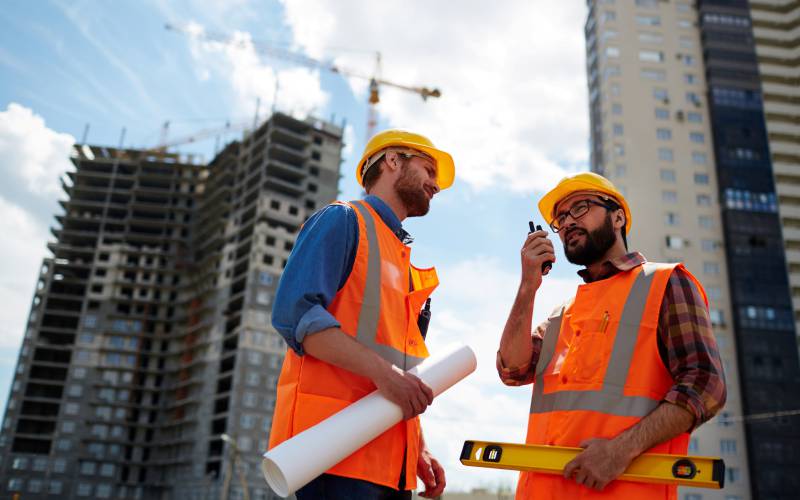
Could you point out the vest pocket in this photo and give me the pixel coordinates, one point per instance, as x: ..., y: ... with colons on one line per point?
x: 587, y: 353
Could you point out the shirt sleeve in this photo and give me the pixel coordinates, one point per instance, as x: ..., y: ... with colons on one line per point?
x: 689, y: 350
x: 318, y: 267
x: 522, y: 375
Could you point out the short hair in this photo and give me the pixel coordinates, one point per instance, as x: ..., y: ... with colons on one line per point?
x: 613, y: 206
x: 372, y: 174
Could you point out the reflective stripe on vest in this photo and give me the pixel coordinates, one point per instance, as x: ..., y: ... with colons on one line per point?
x: 609, y: 398
x: 370, y: 312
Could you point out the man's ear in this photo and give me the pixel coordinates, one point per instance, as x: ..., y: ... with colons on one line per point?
x: 392, y: 160
x: 619, y: 218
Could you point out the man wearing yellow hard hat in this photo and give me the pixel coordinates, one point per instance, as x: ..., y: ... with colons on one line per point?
x: 349, y: 305
x: 628, y: 365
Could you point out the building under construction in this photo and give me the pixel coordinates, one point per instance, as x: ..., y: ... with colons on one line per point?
x: 149, y: 365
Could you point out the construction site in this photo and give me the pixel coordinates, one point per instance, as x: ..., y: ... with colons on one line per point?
x: 147, y: 365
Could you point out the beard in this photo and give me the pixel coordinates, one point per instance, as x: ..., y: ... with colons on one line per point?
x: 410, y: 190
x: 596, y: 244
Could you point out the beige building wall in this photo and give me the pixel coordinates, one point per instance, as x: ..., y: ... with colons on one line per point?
x: 651, y: 136
x: 776, y: 26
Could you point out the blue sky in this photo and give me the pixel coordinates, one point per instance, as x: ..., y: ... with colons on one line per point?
x: 513, y: 113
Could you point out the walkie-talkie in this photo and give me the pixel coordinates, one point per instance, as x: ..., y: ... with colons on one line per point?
x: 424, y: 319
x: 547, y: 265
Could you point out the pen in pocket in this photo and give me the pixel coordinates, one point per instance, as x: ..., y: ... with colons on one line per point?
x: 604, y: 323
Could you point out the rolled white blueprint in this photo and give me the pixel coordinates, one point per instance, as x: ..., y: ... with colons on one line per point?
x: 295, y: 462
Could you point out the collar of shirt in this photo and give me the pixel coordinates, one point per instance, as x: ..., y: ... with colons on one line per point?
x: 389, y: 218
x: 614, y: 266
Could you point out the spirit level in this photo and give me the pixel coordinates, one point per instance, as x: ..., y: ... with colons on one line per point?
x: 699, y: 472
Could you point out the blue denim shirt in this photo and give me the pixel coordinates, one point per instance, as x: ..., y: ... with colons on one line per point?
x: 318, y: 268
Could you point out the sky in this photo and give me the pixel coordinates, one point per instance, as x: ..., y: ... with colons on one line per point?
x: 513, y: 113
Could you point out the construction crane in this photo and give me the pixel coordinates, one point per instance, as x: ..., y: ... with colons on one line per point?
x: 272, y: 50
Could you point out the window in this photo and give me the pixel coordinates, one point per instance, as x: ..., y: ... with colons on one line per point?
x: 727, y: 446
x: 59, y: 465
x: 669, y: 196
x: 705, y: 221
x: 648, y: 20
x: 685, y: 23
x: 107, y: 470
x: 692, y: 98
x: 619, y: 150
x: 667, y: 175
x: 263, y: 297
x: 688, y: 60
x: 254, y: 357
x: 697, y: 137
x: 701, y: 179
x: 88, y: 468
x: 71, y: 408
x: 253, y: 378
x: 55, y: 487
x: 68, y: 427
x: 608, y: 16
x: 35, y: 486
x: 651, y: 56
x: 733, y: 474
x: 694, y: 117
x: 249, y: 399
x: 612, y: 52
x: 686, y: 42
x: 103, y: 491
x: 612, y: 70
x: 690, y: 78
x: 79, y: 372
x: 663, y: 134
x: 620, y: 170
x: 647, y: 3
x: 90, y: 321
x: 661, y: 94
x: 618, y: 129
x: 19, y: 463
x: 692, y: 496
x: 662, y: 114
x: 654, y: 38
x: 84, y: 490
x: 616, y: 109
x: 247, y: 421
x: 265, y: 278
x: 40, y: 464
x: 672, y: 219
x: 665, y: 154
x: 75, y: 390
x: 676, y: 242
x: 703, y: 200
x: 657, y: 75
x: 15, y: 484
x: 711, y: 268
x: 694, y: 447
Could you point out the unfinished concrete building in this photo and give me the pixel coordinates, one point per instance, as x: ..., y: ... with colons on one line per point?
x: 149, y: 365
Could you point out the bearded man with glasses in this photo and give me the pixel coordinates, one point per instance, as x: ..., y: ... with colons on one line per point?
x: 628, y: 365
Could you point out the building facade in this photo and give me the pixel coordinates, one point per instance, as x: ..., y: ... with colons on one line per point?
x: 777, y: 39
x: 677, y: 123
x: 149, y: 365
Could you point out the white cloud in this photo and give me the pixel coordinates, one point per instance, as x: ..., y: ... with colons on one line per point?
x: 20, y: 257
x: 513, y: 105
x: 30, y: 153
x: 471, y: 307
x: 242, y: 64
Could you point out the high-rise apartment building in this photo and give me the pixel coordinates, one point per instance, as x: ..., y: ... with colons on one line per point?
x: 777, y: 38
x: 677, y: 123
x: 149, y: 365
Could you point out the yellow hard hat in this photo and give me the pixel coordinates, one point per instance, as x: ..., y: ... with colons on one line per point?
x: 588, y: 182
x: 445, y: 167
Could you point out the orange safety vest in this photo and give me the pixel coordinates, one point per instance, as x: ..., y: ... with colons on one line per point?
x: 375, y: 307
x: 599, y: 373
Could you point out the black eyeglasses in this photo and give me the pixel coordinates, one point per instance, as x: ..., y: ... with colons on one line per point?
x: 576, y: 211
